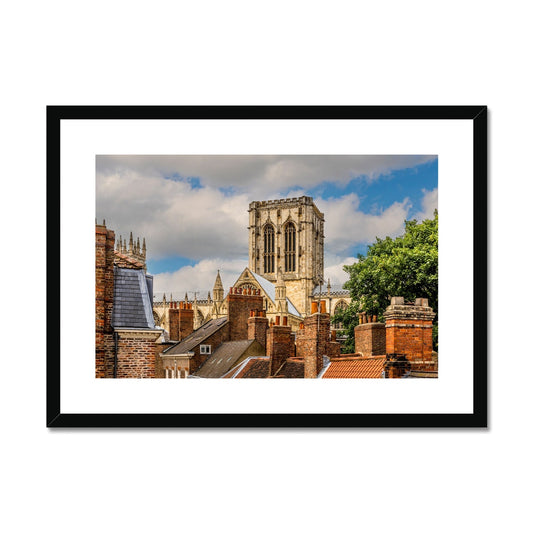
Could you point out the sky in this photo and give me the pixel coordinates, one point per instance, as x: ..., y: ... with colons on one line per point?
x: 193, y: 210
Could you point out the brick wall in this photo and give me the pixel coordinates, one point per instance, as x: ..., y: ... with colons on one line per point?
x: 409, y: 332
x: 257, y: 329
x: 370, y: 339
x: 136, y: 354
x: 312, y: 343
x: 279, y: 346
x: 239, y: 307
x: 104, y: 252
x: 180, y: 321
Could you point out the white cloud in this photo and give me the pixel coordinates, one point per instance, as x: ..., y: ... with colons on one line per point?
x: 334, y: 268
x: 175, y: 218
x: 261, y: 175
x: 199, y: 277
x: 430, y: 202
x: 346, y: 226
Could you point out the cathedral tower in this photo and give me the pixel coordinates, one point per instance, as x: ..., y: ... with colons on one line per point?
x: 288, y: 235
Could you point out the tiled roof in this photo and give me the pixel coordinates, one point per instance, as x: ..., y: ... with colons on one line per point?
x: 355, y: 367
x: 197, y: 337
x: 256, y: 367
x: 292, y: 368
x: 132, y: 307
x: 223, y: 359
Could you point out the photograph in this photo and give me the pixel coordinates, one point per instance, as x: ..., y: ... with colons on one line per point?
x: 266, y: 266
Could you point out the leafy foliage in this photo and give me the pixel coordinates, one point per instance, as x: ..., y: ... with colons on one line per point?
x: 406, y: 266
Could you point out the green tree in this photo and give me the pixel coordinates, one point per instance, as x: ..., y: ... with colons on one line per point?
x: 405, y: 266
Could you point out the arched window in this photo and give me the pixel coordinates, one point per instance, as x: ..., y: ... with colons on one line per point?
x: 268, y: 255
x: 341, y: 306
x: 290, y: 247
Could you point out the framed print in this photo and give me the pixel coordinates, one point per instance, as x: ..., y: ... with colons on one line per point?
x: 264, y: 266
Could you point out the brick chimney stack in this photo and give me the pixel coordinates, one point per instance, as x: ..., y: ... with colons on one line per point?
x: 279, y: 346
x: 409, y: 329
x: 180, y: 321
x: 240, y: 303
x: 313, y: 340
x: 369, y: 336
x: 104, y: 260
x: 257, y: 327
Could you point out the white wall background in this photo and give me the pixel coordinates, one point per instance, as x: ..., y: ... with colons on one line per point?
x: 274, y: 53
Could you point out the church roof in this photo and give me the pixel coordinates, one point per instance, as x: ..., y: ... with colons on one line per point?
x: 270, y: 290
x: 336, y: 290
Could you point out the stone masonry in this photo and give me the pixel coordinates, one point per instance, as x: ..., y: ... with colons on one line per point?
x: 307, y: 270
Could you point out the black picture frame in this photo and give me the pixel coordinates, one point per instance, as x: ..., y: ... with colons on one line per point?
x: 477, y: 418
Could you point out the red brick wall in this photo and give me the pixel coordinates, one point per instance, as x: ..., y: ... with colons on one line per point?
x: 370, y: 339
x: 104, y: 252
x: 312, y: 343
x: 257, y: 329
x: 239, y: 307
x: 412, y: 338
x: 279, y: 346
x: 136, y: 356
x: 180, y: 323
x: 409, y: 330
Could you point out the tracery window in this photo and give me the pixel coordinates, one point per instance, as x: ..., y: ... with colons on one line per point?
x: 341, y: 306
x: 268, y: 236
x: 290, y: 247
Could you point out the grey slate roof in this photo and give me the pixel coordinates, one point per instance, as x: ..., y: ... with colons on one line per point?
x: 197, y: 337
x: 223, y: 359
x: 336, y: 290
x: 132, y: 307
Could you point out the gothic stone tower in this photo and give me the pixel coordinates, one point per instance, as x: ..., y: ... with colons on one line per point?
x: 288, y: 235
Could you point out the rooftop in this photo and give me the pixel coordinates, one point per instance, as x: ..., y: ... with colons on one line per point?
x: 196, y: 337
x: 355, y: 368
x: 132, y: 306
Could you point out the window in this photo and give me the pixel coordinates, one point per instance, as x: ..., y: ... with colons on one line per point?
x: 290, y: 247
x: 268, y: 236
x: 341, y: 306
x: 205, y: 348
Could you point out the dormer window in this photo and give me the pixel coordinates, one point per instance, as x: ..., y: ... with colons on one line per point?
x: 205, y: 349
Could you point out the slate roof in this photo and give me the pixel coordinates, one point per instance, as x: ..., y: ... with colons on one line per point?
x: 223, y: 359
x: 132, y: 306
x: 355, y: 367
x: 336, y: 290
x: 197, y: 337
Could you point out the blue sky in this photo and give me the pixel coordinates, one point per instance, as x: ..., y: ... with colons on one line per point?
x: 192, y: 210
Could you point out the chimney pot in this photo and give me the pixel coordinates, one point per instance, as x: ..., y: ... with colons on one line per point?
x: 284, y: 320
x: 277, y: 320
x: 314, y: 308
x: 323, y: 306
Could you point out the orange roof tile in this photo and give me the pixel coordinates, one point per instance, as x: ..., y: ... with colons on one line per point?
x: 355, y: 367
